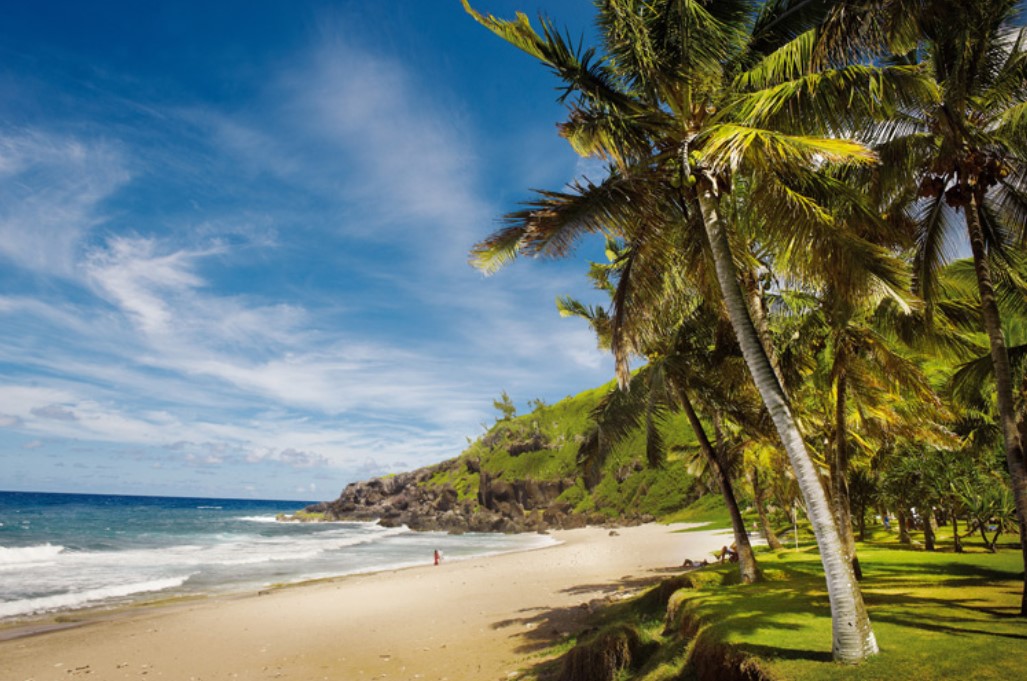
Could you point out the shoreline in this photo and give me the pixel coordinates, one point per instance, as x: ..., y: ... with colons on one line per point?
x: 22, y: 626
x: 478, y: 617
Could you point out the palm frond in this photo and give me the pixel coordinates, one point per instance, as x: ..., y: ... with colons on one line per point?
x: 499, y: 249
x: 971, y: 383
x: 835, y: 101
x: 788, y: 63
x: 853, y: 30
x: 577, y: 67
x: 936, y: 230
x: 780, y: 22
x: 600, y: 133
x: 731, y: 146
x: 553, y: 222
x: 655, y: 417
x: 596, y: 316
x: 1009, y: 199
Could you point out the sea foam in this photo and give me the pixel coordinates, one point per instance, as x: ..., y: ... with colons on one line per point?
x: 35, y: 606
x: 27, y: 555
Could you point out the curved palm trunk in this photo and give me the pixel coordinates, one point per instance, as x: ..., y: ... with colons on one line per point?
x: 852, y: 635
x: 746, y: 558
x: 840, y: 476
x: 760, y: 501
x: 1003, y: 380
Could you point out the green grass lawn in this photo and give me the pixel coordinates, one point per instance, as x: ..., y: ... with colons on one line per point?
x: 709, y: 510
x: 937, y: 615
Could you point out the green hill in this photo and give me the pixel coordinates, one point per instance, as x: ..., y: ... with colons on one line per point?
x: 522, y: 475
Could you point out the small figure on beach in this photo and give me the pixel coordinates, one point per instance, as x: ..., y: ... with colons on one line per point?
x: 438, y: 556
x: 730, y: 554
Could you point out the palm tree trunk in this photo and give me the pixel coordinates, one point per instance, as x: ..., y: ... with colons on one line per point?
x: 862, y: 522
x: 957, y: 541
x: 746, y: 558
x: 760, y: 501
x: 902, y: 518
x: 1003, y: 380
x: 852, y: 635
x: 840, y: 474
x: 929, y: 530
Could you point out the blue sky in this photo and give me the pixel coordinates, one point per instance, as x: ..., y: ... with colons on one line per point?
x: 234, y: 237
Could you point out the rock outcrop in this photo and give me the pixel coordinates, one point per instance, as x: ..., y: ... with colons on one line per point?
x: 414, y: 499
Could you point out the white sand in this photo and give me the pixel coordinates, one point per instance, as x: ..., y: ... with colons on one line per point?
x: 482, y: 618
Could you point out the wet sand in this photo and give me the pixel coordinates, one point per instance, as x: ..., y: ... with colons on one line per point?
x: 483, y: 618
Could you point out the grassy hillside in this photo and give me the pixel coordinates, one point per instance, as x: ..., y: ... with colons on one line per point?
x: 543, y: 446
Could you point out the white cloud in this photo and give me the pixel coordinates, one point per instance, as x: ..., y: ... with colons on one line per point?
x: 403, y: 157
x: 223, y: 376
x: 52, y: 188
x: 157, y: 287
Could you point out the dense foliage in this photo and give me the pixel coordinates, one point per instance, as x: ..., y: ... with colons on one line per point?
x: 788, y: 186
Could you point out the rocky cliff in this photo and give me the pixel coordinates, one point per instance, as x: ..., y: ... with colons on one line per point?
x: 417, y: 500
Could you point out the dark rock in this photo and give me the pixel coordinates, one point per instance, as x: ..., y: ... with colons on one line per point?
x: 500, y: 505
x: 535, y: 443
x: 447, y: 499
x: 501, y: 491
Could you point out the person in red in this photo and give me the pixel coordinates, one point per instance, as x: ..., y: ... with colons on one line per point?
x: 438, y: 557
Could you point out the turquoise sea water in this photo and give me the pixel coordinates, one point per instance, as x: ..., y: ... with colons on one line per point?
x: 66, y: 551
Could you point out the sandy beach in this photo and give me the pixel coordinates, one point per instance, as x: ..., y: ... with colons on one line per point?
x: 484, y: 618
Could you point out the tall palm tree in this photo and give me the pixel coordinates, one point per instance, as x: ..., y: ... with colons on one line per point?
x: 657, y: 389
x: 692, y: 99
x: 681, y: 370
x: 966, y: 157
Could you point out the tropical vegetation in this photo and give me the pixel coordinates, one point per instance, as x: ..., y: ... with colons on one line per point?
x: 789, y: 188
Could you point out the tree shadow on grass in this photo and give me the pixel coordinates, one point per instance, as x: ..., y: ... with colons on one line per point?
x: 902, y: 595
x: 934, y: 624
x: 779, y: 653
x: 951, y: 571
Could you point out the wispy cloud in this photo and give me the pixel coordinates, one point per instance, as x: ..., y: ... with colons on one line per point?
x: 52, y: 189
x: 301, y: 298
x: 54, y: 412
x: 417, y: 172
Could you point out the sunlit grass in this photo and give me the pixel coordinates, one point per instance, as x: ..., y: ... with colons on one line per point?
x: 937, y: 615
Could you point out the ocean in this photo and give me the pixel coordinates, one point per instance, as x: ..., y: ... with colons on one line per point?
x: 60, y: 552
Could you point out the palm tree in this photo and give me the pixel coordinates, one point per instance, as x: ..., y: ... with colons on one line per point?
x: 655, y: 390
x: 964, y: 155
x: 679, y: 370
x: 693, y: 99
x: 759, y: 466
